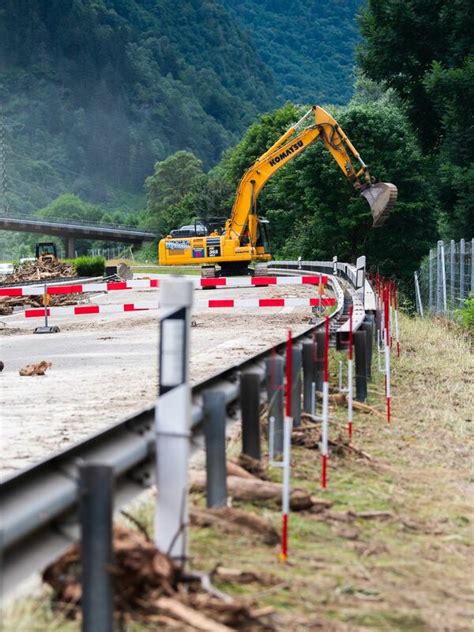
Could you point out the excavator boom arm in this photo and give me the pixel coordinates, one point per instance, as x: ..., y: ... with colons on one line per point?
x: 288, y: 146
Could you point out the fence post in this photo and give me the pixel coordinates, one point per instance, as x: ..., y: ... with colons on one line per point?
x: 173, y: 418
x: 462, y: 256
x: 95, y: 508
x: 472, y: 265
x: 214, y: 432
x: 438, y: 277
x: 296, y: 385
x: 275, y: 390
x: 430, y: 280
x: 250, y: 407
x: 452, y: 279
x: 308, y: 376
x: 443, y: 278
x: 418, y: 295
x: 360, y: 346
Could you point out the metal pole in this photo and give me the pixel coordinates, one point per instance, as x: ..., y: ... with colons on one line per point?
x: 250, y: 407
x: 95, y: 508
x: 296, y: 385
x: 462, y: 256
x: 430, y: 280
x: 214, y: 433
x: 452, y: 279
x: 472, y: 265
x: 368, y: 327
x: 45, y: 301
x: 443, y: 278
x: 360, y: 365
x: 173, y: 418
x: 418, y: 295
x: 308, y: 376
x: 438, y: 278
x: 275, y: 391
x: 319, y: 360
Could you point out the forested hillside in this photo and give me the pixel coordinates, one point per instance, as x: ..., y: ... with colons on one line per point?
x: 94, y: 92
x: 308, y: 44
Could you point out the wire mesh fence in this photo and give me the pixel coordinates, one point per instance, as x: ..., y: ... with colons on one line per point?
x: 445, y: 278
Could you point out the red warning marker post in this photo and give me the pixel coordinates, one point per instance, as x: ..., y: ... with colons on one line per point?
x: 287, y: 428
x: 325, y: 415
x: 349, y: 377
x: 387, y: 352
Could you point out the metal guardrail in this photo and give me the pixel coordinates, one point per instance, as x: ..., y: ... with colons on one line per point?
x: 39, y: 504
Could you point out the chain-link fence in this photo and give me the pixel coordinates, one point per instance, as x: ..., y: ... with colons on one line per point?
x: 445, y: 278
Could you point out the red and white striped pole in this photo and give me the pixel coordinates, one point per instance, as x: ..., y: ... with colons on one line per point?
x: 349, y: 377
x: 287, y: 428
x: 325, y: 415
x: 387, y: 352
x: 397, y: 330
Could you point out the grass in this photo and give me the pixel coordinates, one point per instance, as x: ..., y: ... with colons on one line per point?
x: 412, y: 572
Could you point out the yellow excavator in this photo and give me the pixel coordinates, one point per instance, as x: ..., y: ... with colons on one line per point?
x: 244, y: 237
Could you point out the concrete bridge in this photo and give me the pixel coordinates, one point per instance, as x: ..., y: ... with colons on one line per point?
x: 70, y: 230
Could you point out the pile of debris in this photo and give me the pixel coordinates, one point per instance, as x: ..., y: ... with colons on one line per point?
x: 150, y: 587
x: 8, y: 303
x: 46, y: 267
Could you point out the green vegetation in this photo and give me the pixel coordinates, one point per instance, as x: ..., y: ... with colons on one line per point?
x: 309, y: 46
x: 424, y: 52
x: 465, y: 315
x: 89, y: 266
x: 93, y: 93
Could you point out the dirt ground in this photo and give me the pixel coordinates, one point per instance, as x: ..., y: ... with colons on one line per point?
x: 105, y: 367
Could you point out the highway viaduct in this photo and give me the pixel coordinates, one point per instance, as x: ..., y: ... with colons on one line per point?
x: 70, y: 230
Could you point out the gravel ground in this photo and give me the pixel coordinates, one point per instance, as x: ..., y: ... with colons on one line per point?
x: 105, y: 367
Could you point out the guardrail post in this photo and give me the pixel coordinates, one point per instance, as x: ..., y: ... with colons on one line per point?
x: 173, y: 418
x: 95, y: 508
x: 319, y: 361
x: 360, y: 346
x: 275, y: 391
x: 214, y: 432
x: 296, y: 384
x: 308, y: 376
x: 250, y: 407
x: 368, y: 327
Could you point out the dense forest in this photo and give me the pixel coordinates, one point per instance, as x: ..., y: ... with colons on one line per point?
x: 309, y: 46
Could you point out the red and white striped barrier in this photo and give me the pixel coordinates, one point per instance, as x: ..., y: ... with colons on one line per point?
x: 238, y: 303
x: 79, y: 288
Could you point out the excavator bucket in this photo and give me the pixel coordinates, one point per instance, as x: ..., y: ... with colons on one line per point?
x: 381, y: 198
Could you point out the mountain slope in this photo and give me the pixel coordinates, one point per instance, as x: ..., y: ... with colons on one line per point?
x: 94, y: 91
x: 307, y: 44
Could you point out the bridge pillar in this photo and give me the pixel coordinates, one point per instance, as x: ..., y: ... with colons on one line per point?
x: 70, y: 245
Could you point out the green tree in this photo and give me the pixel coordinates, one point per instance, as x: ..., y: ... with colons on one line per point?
x: 315, y: 212
x: 424, y: 50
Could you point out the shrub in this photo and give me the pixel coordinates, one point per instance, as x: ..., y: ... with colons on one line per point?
x: 89, y: 266
x: 466, y: 314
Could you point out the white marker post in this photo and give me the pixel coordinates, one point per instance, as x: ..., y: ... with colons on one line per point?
x: 173, y: 418
x: 387, y: 351
x: 287, y: 428
x: 325, y: 415
x: 349, y: 378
